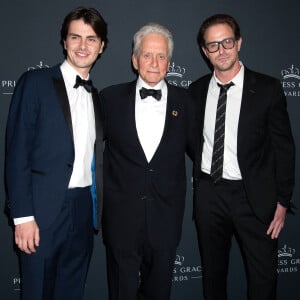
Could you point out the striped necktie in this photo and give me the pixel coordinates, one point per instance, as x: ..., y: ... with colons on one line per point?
x: 218, y: 149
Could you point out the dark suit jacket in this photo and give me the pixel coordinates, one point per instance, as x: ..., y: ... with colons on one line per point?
x: 40, y: 147
x: 265, y: 146
x: 139, y: 195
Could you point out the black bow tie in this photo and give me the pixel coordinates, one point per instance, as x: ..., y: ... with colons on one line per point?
x: 87, y: 84
x: 150, y: 92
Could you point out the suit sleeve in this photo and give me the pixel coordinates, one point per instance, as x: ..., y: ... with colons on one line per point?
x: 283, y: 145
x: 19, y: 141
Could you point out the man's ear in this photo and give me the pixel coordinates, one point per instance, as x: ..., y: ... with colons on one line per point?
x: 239, y: 43
x: 102, y: 47
x: 134, y: 62
x: 204, y: 51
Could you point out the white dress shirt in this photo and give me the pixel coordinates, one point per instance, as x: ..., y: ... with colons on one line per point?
x: 231, y: 168
x: 150, y: 116
x: 83, y: 123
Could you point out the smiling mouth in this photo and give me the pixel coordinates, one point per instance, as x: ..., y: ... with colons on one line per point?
x: 80, y: 54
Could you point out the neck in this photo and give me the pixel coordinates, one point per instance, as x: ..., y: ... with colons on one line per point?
x: 83, y: 72
x: 227, y: 75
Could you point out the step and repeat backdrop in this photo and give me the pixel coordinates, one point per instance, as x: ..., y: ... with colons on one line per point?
x: 271, y: 44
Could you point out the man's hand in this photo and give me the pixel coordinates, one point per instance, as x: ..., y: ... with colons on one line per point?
x: 277, y: 222
x: 27, y: 236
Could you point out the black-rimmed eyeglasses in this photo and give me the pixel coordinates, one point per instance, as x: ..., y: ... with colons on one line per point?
x: 226, y: 44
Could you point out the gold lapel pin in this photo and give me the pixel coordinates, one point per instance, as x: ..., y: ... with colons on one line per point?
x: 174, y: 113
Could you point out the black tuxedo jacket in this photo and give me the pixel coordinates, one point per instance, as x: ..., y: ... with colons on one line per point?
x: 265, y: 146
x: 144, y: 199
x: 40, y: 147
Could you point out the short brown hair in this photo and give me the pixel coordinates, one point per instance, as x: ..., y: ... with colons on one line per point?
x: 218, y: 19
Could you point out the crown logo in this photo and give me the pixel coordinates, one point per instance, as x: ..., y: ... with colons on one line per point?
x: 179, y: 260
x: 175, y: 70
x: 286, y: 251
x: 39, y: 66
x: 290, y: 72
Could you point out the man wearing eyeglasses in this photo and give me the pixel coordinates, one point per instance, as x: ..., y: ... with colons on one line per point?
x: 244, y: 164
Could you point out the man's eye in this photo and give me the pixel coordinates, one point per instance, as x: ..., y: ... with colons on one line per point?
x: 74, y: 38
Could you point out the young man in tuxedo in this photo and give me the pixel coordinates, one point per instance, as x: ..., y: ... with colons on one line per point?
x: 244, y: 164
x: 148, y: 130
x: 54, y: 133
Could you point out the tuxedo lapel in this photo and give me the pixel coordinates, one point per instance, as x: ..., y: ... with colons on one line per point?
x: 130, y: 109
x: 171, y: 111
x: 98, y: 120
x: 64, y: 101
x: 246, y: 107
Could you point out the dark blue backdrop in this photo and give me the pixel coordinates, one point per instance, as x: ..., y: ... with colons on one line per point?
x: 271, y: 44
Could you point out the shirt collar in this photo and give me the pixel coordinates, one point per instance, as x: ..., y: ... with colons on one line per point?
x: 238, y: 79
x: 141, y: 83
x: 70, y: 73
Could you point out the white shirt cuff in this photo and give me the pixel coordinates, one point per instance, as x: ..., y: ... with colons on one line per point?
x: 22, y: 220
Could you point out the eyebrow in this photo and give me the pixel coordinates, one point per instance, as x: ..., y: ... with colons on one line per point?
x: 78, y: 35
x: 220, y: 40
